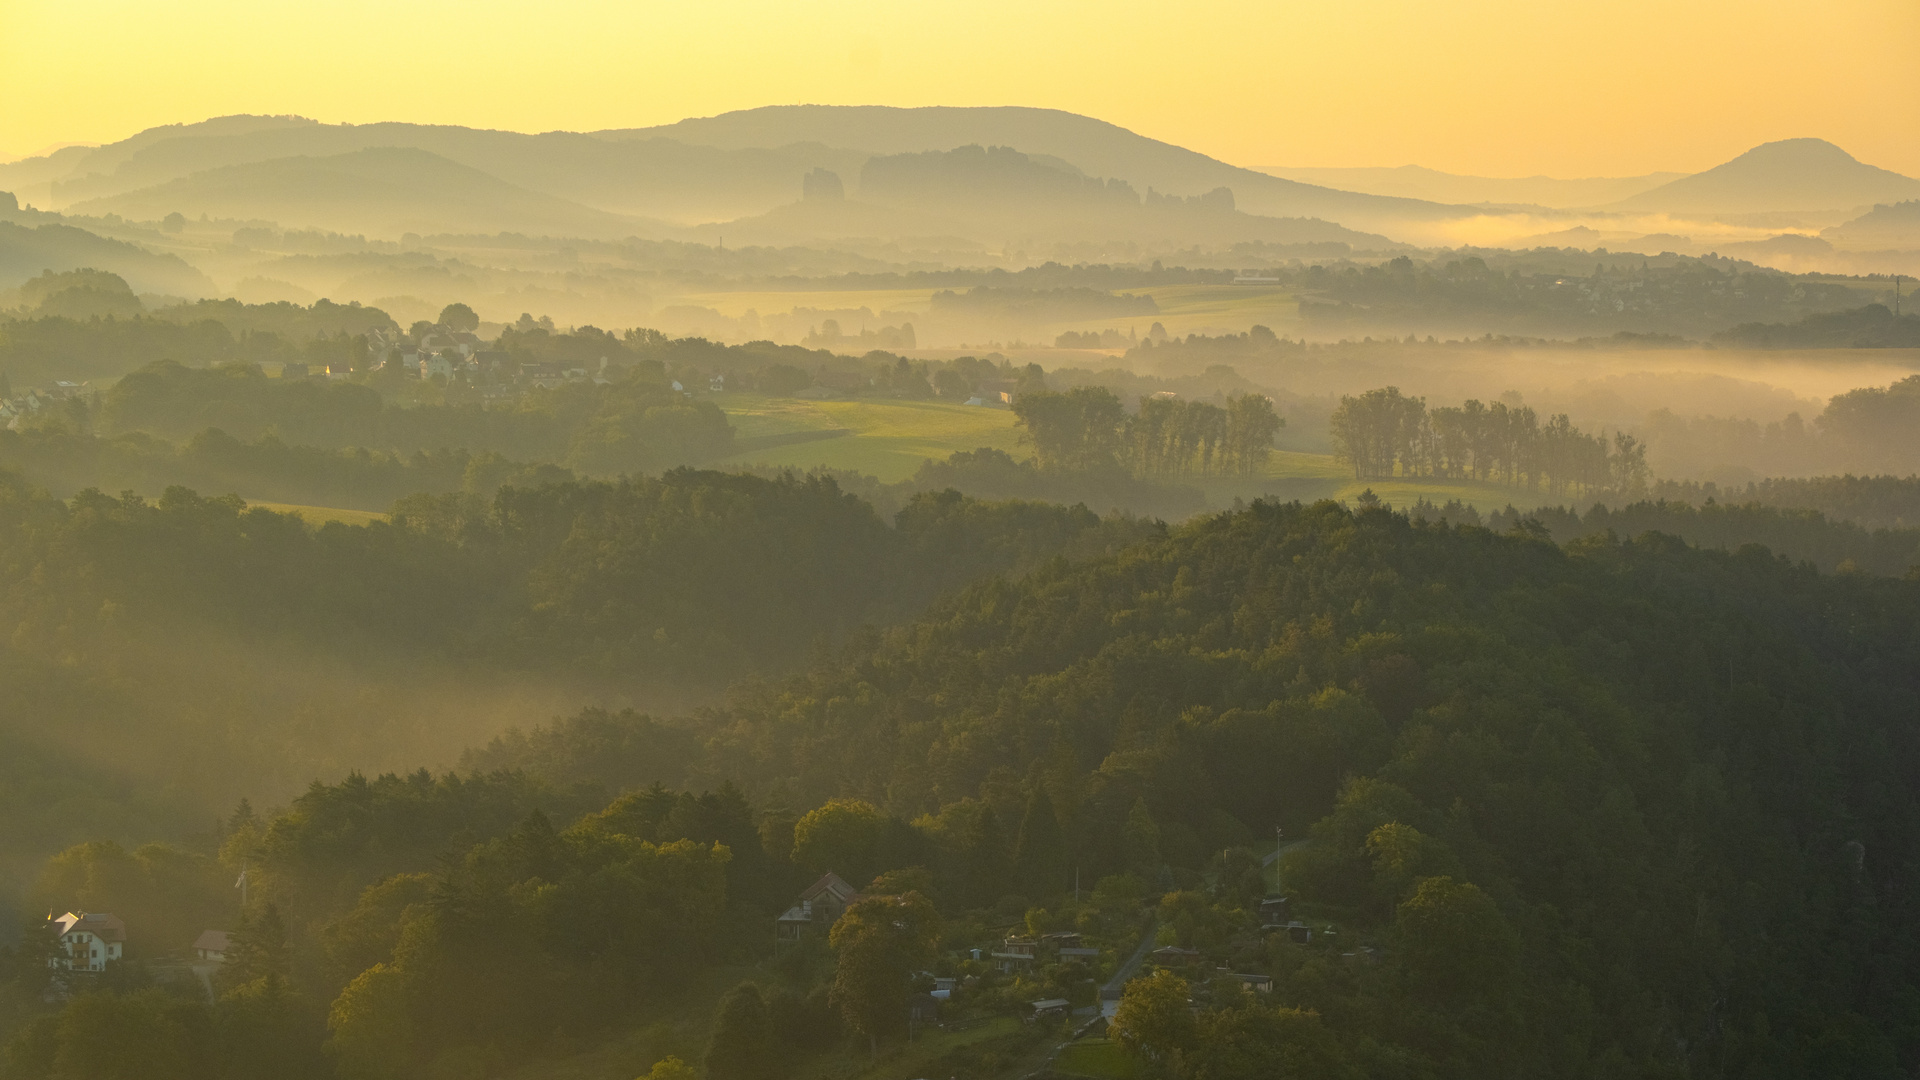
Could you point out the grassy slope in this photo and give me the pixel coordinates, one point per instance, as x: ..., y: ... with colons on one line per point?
x: 320, y: 515
x: 1097, y: 1057
x: 890, y: 438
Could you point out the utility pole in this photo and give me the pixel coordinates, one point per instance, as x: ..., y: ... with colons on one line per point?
x: 1896, y: 296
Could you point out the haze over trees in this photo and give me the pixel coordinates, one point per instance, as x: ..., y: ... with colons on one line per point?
x: 774, y: 687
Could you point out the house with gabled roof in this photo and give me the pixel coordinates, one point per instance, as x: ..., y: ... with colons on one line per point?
x: 89, y: 941
x: 818, y: 907
x: 212, y: 946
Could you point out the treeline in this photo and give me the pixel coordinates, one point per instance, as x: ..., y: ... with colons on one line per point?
x: 1041, y: 304
x: 170, y: 653
x: 1451, y: 729
x: 1508, y: 758
x: 1873, y: 502
x: 1087, y: 429
x: 1382, y: 430
x: 1558, y: 294
x: 265, y: 469
x: 1796, y: 534
x: 1871, y: 327
x: 1868, y: 429
x: 399, y: 925
x: 87, y: 325
x: 635, y: 423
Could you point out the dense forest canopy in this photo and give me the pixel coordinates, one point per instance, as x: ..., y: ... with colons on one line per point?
x: 1622, y: 806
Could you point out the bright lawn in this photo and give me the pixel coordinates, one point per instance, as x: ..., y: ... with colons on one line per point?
x: 320, y: 515
x: 1097, y: 1057
x: 889, y: 439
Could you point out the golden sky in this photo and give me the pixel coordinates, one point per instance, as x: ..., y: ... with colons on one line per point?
x: 1493, y: 87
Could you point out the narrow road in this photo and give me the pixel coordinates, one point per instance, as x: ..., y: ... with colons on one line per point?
x: 1273, y: 856
x: 1042, y: 1061
x: 1110, y: 993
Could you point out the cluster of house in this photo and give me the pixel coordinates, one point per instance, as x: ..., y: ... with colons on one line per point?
x: 20, y: 408
x: 90, y: 940
x: 820, y: 904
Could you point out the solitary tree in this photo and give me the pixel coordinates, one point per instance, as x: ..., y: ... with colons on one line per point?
x: 1154, y: 1021
x: 881, y: 941
x: 843, y: 836
x: 742, y: 1044
x: 459, y: 317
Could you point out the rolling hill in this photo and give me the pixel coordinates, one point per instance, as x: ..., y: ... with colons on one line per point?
x: 739, y: 165
x: 27, y: 251
x: 1792, y: 175
x: 384, y: 191
x: 1094, y: 146
x: 1418, y: 182
x: 1885, y: 226
x: 654, y: 178
x: 995, y: 194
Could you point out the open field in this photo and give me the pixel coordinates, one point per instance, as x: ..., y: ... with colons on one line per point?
x: 1311, y: 477
x: 1188, y: 309
x: 887, y: 439
x: 320, y: 515
x: 1097, y: 1057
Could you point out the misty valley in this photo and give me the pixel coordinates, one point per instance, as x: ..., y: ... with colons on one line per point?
x: 865, y: 593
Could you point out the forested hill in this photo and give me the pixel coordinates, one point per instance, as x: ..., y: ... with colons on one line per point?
x: 1681, y: 784
x: 1601, y: 809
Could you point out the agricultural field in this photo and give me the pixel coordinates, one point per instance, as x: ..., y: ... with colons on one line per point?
x: 1311, y: 477
x: 883, y: 438
x: 888, y: 439
x: 1097, y: 1057
x: 320, y: 515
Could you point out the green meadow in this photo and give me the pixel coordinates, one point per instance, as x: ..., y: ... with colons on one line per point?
x: 320, y: 515
x: 887, y: 439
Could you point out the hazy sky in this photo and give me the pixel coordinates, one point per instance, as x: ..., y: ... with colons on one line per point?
x: 1500, y: 87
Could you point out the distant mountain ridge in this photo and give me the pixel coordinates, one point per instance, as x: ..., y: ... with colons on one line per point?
x: 712, y: 170
x: 1419, y: 182
x: 383, y: 191
x: 1784, y: 176
x: 1096, y: 147
x: 651, y: 178
x: 1001, y: 193
x: 26, y: 251
x: 742, y: 166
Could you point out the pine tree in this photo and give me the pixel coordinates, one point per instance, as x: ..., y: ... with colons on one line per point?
x: 257, y: 949
x: 986, y: 858
x: 1040, y: 854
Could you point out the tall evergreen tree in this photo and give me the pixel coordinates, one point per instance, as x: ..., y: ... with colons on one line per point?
x: 1040, y: 855
x: 987, y: 865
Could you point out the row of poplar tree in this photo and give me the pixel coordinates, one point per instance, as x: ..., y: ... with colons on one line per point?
x: 1088, y: 427
x: 1384, y: 433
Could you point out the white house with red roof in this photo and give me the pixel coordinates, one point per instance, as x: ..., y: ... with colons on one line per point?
x: 89, y: 941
